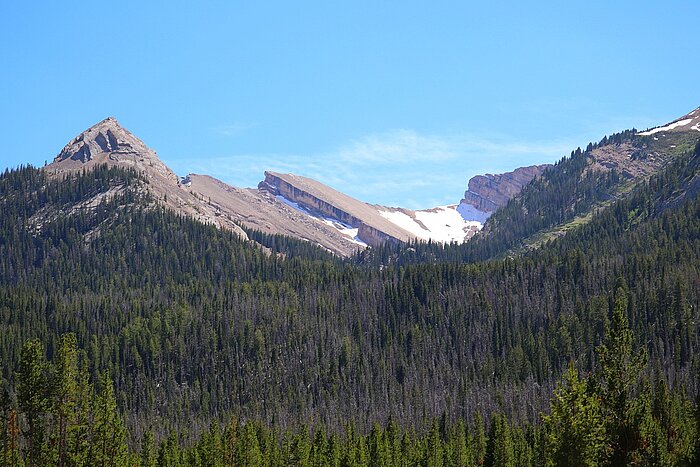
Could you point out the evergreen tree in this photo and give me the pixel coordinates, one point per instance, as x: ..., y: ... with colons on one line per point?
x: 64, y: 398
x: 32, y: 397
x: 500, y: 450
x: 576, y: 426
x: 148, y: 454
x: 620, y: 367
x: 108, y: 443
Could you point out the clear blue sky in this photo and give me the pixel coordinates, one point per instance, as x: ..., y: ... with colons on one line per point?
x: 396, y: 103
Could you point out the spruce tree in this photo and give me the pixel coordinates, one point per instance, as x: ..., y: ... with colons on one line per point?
x: 32, y: 397
x: 575, y: 427
x: 109, y: 436
x: 620, y: 367
x: 64, y: 400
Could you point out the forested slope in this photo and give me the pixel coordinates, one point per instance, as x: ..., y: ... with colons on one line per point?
x: 567, y: 195
x: 195, y: 324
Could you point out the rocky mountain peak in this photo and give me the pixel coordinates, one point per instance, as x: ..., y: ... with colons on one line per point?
x: 489, y: 192
x: 105, y: 140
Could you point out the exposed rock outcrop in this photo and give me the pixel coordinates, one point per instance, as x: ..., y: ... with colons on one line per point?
x: 375, y: 224
x: 107, y: 142
x: 327, y: 202
x: 261, y: 210
x: 491, y: 191
x: 285, y: 204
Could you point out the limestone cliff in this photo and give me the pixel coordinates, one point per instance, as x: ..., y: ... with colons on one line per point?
x: 491, y: 191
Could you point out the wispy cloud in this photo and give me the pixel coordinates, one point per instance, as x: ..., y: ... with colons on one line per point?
x: 232, y: 129
x: 399, y: 167
x: 397, y: 146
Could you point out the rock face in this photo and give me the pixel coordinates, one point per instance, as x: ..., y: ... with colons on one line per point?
x: 326, y: 202
x: 489, y: 192
x: 297, y: 206
x: 107, y: 142
x: 261, y: 210
x: 375, y: 224
x: 286, y: 204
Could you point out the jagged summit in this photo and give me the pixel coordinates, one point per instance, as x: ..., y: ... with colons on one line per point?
x: 284, y: 204
x: 107, y: 142
x: 104, y: 138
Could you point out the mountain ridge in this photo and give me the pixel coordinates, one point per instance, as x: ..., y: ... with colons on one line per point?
x: 304, y: 208
x: 285, y: 204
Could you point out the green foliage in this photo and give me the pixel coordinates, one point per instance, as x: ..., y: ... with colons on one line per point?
x: 108, y: 441
x: 196, y: 326
x: 620, y: 368
x: 33, y: 400
x: 66, y: 422
x: 576, y: 430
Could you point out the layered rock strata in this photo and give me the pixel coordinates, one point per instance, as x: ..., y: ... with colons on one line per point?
x: 489, y: 192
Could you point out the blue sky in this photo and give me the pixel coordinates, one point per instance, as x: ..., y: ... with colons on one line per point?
x: 397, y: 103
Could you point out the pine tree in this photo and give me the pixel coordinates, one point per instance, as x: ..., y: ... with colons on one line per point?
x: 32, y: 397
x: 696, y: 412
x: 480, y: 441
x: 148, y: 454
x: 500, y: 452
x: 64, y: 398
x: 230, y: 441
x: 78, y: 433
x: 169, y: 452
x: 575, y: 427
x: 434, y: 451
x: 248, y: 449
x: 5, y: 414
x: 620, y: 367
x: 108, y: 442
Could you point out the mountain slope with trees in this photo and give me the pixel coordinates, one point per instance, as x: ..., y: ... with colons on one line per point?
x: 196, y: 327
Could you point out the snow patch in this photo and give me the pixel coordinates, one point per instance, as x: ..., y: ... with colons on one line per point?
x: 406, y: 222
x: 343, y: 228
x: 446, y: 224
x: 470, y: 213
x: 443, y: 224
x: 670, y: 126
x: 696, y: 127
x: 293, y: 205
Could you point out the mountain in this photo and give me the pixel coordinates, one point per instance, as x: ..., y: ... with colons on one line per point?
x: 375, y: 224
x: 487, y: 193
x: 260, y: 210
x: 587, y: 182
x: 289, y: 204
x: 107, y: 142
x: 286, y: 204
x: 160, y: 330
x: 688, y: 122
x: 564, y: 196
x: 524, y: 208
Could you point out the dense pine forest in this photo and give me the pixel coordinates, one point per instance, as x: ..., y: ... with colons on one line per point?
x: 130, y: 335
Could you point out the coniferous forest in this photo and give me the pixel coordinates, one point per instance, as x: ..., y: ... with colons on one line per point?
x: 131, y: 335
